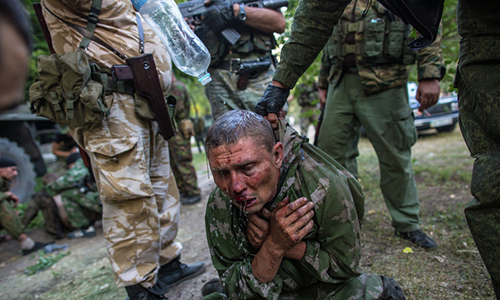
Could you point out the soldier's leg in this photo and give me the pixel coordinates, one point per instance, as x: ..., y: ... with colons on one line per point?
x: 76, y: 216
x: 182, y: 167
x: 52, y: 221
x: 479, y: 104
x: 389, y: 125
x: 130, y: 164
x: 10, y: 221
x: 368, y: 287
x: 337, y: 136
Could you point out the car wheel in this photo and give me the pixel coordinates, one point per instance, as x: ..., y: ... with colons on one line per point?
x: 448, y: 128
x: 24, y: 184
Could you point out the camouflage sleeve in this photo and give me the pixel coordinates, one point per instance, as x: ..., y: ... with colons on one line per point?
x: 73, y: 177
x: 430, y: 60
x: 3, y: 196
x: 312, y: 27
x: 324, y: 70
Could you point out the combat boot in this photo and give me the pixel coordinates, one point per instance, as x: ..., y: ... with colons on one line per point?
x: 176, y: 272
x: 138, y: 292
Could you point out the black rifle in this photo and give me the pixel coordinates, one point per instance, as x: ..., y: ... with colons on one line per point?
x: 193, y: 10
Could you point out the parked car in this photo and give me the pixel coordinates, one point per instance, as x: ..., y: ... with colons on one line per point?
x: 443, y: 116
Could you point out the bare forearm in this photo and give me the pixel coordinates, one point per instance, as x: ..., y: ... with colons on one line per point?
x: 297, y: 252
x: 262, y: 19
x: 266, y: 263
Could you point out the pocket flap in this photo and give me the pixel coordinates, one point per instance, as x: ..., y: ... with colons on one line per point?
x: 401, y: 114
x: 111, y: 147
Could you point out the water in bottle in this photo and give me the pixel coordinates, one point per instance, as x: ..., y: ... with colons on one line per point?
x: 187, y: 51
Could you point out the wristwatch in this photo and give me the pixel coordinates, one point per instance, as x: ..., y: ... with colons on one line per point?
x: 242, y: 15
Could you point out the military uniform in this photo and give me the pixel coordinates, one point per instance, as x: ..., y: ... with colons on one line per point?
x: 129, y: 157
x: 223, y: 92
x: 8, y: 217
x: 181, y: 157
x: 76, y: 196
x: 329, y: 268
x: 478, y: 83
x: 309, y: 106
x: 364, y: 69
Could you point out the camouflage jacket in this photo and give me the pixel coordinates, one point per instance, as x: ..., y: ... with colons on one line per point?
x: 179, y: 90
x: 70, y: 182
x: 308, y: 94
x: 333, y: 246
x: 4, y: 187
x: 379, y: 50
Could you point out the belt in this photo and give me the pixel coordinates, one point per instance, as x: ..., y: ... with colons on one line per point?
x: 120, y: 86
x: 233, y: 65
x: 350, y: 71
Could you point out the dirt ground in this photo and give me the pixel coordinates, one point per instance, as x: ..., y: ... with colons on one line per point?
x: 454, y: 271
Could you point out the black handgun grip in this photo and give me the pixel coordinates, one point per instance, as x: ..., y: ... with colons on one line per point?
x: 147, y: 85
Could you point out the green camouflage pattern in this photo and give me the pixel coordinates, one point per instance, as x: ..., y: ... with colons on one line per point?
x: 43, y: 202
x: 181, y: 157
x: 75, y: 195
x: 329, y: 269
x: 313, y: 23
x: 223, y: 94
x: 129, y: 156
x: 8, y: 217
x: 478, y: 83
x: 375, y: 77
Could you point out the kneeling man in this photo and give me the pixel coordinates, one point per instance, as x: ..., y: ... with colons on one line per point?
x: 284, y: 220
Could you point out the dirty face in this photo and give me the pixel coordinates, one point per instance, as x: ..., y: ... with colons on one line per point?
x: 247, y: 173
x: 8, y: 173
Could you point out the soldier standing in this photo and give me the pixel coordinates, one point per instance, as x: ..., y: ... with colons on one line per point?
x: 181, y: 156
x: 364, y: 72
x: 478, y: 84
x: 231, y: 89
x: 128, y: 153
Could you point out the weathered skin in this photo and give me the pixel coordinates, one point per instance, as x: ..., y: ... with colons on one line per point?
x: 478, y: 83
x: 329, y: 268
x: 129, y: 157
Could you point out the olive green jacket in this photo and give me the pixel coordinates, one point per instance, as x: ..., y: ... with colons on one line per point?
x: 333, y: 246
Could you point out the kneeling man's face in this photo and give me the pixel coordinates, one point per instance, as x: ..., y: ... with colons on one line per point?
x: 246, y: 173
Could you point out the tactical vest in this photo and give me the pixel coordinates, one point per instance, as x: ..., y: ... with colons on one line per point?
x: 251, y: 41
x: 381, y: 38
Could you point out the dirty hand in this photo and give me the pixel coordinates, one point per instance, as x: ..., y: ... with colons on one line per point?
x: 290, y: 223
x: 272, y: 102
x: 427, y: 93
x: 258, y: 228
x: 13, y: 198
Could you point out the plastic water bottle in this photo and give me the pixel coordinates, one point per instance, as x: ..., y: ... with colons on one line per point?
x: 187, y: 51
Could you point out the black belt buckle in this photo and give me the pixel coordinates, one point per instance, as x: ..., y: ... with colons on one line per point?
x: 234, y: 65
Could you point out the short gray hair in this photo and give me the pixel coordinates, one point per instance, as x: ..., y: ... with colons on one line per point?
x: 237, y: 124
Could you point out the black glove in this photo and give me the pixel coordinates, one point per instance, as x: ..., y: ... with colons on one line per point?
x: 272, y: 101
x: 218, y: 15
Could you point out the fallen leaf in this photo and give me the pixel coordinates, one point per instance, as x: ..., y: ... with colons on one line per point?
x: 408, y: 250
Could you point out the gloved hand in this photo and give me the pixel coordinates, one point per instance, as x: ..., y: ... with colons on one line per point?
x: 272, y: 101
x: 218, y: 15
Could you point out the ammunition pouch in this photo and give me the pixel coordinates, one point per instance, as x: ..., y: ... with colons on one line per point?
x: 69, y: 91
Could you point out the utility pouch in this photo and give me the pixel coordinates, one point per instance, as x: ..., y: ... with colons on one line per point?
x: 374, y: 39
x: 65, y: 92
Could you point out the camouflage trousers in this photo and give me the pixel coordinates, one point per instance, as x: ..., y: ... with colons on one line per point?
x: 81, y: 208
x: 9, y: 220
x: 389, y: 125
x: 223, y: 94
x: 363, y: 287
x: 43, y: 202
x: 181, y: 161
x: 140, y: 200
x: 478, y: 82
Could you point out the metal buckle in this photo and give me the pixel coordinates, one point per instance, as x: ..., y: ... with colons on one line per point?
x: 231, y: 62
